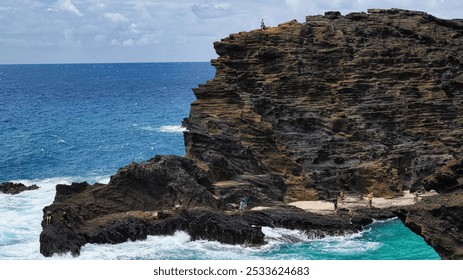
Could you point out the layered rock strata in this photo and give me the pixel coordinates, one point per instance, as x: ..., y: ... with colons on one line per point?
x: 367, y: 102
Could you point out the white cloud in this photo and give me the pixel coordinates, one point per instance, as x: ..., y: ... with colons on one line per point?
x: 7, y: 9
x: 294, y: 4
x: 66, y: 5
x: 133, y: 28
x: 25, y: 43
x: 115, y: 17
x: 211, y: 10
x: 145, y: 40
x: 161, y: 30
x: 97, y: 6
x: 69, y: 38
x: 128, y: 43
x: 99, y: 38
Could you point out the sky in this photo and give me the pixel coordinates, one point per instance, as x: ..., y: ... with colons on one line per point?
x: 102, y: 31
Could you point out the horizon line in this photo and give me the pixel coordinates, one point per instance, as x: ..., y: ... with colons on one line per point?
x: 77, y: 63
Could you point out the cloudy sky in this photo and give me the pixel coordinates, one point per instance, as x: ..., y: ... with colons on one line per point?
x: 87, y: 31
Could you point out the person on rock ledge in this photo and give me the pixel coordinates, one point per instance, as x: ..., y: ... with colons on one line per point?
x: 342, y: 196
x: 244, y: 203
x: 351, y: 215
x: 48, y: 218
x: 370, y: 200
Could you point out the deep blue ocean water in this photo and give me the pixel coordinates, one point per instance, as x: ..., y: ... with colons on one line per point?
x: 75, y: 122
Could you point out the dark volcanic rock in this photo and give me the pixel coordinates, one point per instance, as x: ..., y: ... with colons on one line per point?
x: 446, y: 178
x: 439, y: 220
x: 15, y: 188
x: 367, y: 102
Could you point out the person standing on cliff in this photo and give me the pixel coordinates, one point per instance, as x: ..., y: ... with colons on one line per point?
x: 48, y: 218
x: 262, y: 24
x: 244, y: 203
x: 370, y: 200
x: 342, y: 196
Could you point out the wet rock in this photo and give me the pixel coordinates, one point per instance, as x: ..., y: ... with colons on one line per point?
x: 15, y: 188
x: 439, y: 220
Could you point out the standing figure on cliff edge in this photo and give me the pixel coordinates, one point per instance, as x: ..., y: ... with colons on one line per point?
x: 262, y: 24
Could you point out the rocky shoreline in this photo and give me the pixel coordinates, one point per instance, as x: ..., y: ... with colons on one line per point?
x: 362, y: 103
x: 15, y: 188
x: 162, y: 196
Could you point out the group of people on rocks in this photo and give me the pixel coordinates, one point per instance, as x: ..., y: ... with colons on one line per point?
x: 342, y: 198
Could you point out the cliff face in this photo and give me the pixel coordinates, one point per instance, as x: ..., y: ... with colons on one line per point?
x: 439, y: 219
x: 367, y: 102
x: 362, y: 102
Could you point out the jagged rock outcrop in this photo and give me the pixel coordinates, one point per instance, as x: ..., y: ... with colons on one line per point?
x: 15, y: 188
x: 159, y: 197
x: 362, y: 102
x: 366, y: 102
x: 439, y: 220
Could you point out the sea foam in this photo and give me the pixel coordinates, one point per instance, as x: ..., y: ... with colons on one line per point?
x: 22, y: 216
x: 171, y: 129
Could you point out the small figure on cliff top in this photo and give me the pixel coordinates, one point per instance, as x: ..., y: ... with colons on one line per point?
x: 370, y: 200
x: 48, y: 218
x: 262, y: 24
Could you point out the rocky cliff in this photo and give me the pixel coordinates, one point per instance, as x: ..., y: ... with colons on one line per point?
x: 366, y: 102
x: 362, y: 102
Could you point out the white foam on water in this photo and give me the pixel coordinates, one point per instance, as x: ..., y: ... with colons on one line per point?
x: 154, y: 247
x: 148, y: 128
x: 22, y: 214
x: 180, y: 246
x: 283, y: 235
x: 348, y: 244
x: 171, y: 129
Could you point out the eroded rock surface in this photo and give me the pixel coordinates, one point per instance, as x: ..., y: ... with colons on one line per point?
x: 439, y: 220
x: 367, y: 102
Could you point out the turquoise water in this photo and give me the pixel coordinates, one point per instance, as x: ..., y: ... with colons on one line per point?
x: 65, y: 123
x: 386, y: 240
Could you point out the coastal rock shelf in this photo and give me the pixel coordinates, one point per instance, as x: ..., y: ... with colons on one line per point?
x: 362, y: 103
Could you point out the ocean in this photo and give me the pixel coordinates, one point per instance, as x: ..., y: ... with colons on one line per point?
x: 68, y: 123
